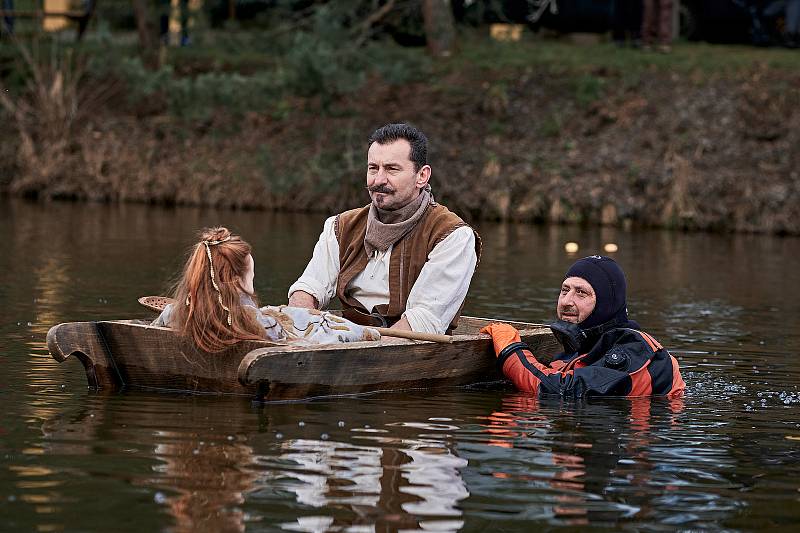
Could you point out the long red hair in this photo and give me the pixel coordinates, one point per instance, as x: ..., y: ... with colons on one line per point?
x: 198, y: 315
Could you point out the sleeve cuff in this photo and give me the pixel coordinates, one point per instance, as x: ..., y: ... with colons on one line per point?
x: 312, y: 287
x: 423, y: 321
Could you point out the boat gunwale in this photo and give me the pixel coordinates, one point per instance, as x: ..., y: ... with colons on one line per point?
x: 88, y: 342
x: 525, y: 328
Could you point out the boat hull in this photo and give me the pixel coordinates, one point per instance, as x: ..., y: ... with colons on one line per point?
x: 131, y: 354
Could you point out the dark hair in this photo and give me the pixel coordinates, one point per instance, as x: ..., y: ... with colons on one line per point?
x: 394, y: 132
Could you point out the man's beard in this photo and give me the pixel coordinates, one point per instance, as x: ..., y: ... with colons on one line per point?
x: 383, y: 189
x: 571, y: 314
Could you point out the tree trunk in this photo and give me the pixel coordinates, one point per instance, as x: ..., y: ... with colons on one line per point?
x: 440, y: 32
x: 83, y: 22
x: 147, y: 33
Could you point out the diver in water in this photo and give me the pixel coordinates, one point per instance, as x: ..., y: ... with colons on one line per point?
x: 605, y: 353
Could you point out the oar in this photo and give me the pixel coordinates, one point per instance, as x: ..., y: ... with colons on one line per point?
x: 158, y: 303
x: 414, y: 335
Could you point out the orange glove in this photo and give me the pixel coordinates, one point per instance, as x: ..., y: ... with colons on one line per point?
x: 502, y: 335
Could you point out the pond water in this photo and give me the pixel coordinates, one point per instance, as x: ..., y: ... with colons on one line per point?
x: 724, y: 457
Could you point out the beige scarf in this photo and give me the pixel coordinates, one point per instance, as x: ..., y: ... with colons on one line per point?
x: 384, y: 228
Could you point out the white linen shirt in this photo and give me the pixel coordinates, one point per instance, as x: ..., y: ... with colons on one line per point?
x: 435, y: 297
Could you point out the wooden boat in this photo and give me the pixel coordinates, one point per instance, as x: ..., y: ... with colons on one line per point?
x: 132, y: 354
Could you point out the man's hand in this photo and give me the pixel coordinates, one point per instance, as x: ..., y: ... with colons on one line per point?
x: 303, y: 299
x: 502, y: 335
x: 402, y: 324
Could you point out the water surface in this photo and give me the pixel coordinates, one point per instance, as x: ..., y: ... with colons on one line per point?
x: 724, y: 457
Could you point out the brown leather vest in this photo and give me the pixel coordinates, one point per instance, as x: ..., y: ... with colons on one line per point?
x: 408, y: 257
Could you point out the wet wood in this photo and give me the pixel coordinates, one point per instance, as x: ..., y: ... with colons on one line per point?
x: 118, y: 354
x: 285, y: 373
x: 414, y: 335
x: 81, y: 340
x: 132, y: 354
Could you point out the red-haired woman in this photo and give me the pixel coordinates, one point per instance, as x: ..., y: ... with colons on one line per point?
x: 217, y: 305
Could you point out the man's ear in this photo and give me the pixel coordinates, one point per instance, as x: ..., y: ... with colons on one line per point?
x: 423, y: 175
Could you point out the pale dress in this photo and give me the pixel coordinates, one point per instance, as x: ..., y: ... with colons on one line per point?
x: 297, y: 325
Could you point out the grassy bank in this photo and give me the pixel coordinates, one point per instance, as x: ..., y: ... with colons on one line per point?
x: 544, y: 131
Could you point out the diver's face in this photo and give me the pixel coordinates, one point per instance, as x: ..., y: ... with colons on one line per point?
x: 576, y: 300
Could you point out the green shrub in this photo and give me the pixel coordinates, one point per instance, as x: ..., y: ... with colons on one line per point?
x: 197, y: 97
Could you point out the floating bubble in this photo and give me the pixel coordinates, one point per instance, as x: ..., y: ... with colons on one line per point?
x: 571, y: 247
x: 341, y: 423
x: 324, y: 436
x: 301, y: 424
x: 610, y: 248
x: 159, y: 497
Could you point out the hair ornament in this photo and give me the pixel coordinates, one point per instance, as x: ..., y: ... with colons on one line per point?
x: 213, y: 280
x: 214, y: 243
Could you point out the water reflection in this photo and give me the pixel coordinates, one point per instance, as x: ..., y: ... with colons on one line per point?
x: 409, y: 487
x: 597, y: 462
x: 210, y: 479
x: 402, y: 475
x: 198, y: 466
x: 346, y: 465
x: 207, y: 474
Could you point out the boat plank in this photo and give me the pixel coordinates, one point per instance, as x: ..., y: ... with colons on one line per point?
x: 132, y: 354
x: 82, y: 341
x: 152, y: 357
x: 345, y: 370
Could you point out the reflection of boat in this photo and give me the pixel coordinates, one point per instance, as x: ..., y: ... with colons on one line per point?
x: 409, y: 484
x: 131, y: 353
x: 199, y: 474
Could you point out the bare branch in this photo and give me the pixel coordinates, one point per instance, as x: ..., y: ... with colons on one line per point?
x: 371, y: 20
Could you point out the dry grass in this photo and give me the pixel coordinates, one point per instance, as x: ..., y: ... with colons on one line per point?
x: 53, y: 106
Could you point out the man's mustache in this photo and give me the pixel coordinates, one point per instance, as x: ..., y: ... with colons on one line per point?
x: 381, y: 188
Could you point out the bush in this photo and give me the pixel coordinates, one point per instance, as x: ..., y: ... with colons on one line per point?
x: 195, y: 97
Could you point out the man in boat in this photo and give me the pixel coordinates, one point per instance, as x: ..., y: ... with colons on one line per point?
x: 605, y: 353
x: 403, y: 261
